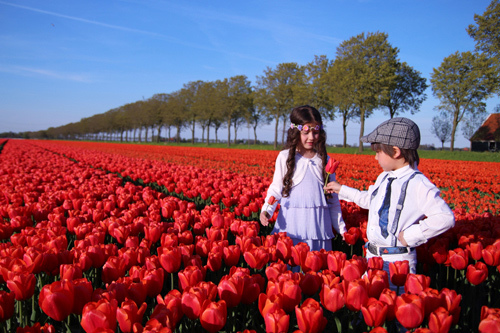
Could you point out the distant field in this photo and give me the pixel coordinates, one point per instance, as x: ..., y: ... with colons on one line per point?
x: 429, y: 154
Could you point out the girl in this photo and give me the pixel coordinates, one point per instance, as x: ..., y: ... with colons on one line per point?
x: 305, y: 214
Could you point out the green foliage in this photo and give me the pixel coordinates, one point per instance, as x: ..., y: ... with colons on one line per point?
x: 462, y: 83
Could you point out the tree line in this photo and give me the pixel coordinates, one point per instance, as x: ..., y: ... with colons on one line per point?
x: 365, y: 76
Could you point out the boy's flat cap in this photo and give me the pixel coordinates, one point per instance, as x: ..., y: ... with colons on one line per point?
x: 399, y: 132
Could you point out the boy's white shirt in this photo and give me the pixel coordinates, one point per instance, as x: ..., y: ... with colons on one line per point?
x: 301, y: 165
x: 424, y: 215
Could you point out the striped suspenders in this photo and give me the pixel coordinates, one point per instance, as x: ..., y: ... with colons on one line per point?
x: 399, y: 207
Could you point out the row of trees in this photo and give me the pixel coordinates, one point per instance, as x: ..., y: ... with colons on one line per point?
x: 365, y: 76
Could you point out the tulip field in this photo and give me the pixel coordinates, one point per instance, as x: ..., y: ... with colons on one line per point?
x: 104, y: 237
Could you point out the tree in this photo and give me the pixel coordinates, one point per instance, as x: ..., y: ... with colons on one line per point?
x: 472, y: 122
x: 462, y: 83
x: 279, y: 90
x: 319, y: 86
x: 441, y: 128
x: 188, y: 94
x: 486, y: 32
x: 406, y: 92
x: 339, y: 92
x: 369, y: 63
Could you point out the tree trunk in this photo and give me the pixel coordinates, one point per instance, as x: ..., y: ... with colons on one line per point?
x: 235, y: 131
x: 255, y: 134
x: 344, y: 128
x: 229, y: 132
x: 276, y: 132
x: 454, y: 128
x: 361, y: 129
x: 192, y: 132
x: 158, y: 135
x: 178, y: 135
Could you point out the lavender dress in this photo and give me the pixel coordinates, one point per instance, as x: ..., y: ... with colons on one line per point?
x: 305, y: 214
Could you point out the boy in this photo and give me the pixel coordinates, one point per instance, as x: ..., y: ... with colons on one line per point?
x: 413, y: 211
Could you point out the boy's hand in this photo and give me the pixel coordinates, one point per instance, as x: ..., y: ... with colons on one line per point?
x: 402, y: 239
x: 332, y: 187
x: 264, y: 218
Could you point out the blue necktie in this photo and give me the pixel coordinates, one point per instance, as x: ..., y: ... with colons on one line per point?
x: 384, y: 210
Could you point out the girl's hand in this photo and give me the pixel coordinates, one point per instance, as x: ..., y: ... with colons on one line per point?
x: 264, y: 218
x: 332, y: 187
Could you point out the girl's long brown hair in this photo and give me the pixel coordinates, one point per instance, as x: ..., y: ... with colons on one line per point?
x: 302, y: 115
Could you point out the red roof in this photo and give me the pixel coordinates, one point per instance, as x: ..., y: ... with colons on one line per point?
x: 489, y: 130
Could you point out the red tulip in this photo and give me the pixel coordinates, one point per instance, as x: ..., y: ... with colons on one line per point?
x: 56, y: 299
x: 21, y: 284
x: 213, y: 315
x: 170, y: 258
x: 491, y: 255
x: 310, y: 318
x: 398, y: 271
x: 409, y: 310
x: 376, y: 281
x: 313, y: 262
x: 332, y: 298
x: 374, y: 312
x: 231, y: 255
x: 153, y: 280
x: 113, y: 269
x: 214, y: 261
x: 99, y: 316
x: 6, y: 305
x: 190, y: 276
x: 440, y: 320
x: 490, y: 320
x: 459, y: 258
x: 376, y: 263
x: 269, y: 303
x: 192, y: 300
x: 82, y: 290
x: 277, y: 321
x: 477, y: 273
x: 70, y: 272
x: 335, y: 261
x: 299, y: 253
x: 230, y: 289
x: 173, y: 304
x: 352, y: 235
x: 331, y: 166
x: 310, y: 283
x: 275, y: 269
x: 271, y: 200
x: 128, y: 314
x: 475, y: 250
x: 432, y: 300
x: 451, y: 302
x: 490, y: 324
x: 256, y: 258
x: 416, y: 283
x: 352, y: 270
x: 389, y: 296
x: 284, y: 248
x: 355, y: 293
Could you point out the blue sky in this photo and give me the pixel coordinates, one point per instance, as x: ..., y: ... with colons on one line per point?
x: 64, y: 60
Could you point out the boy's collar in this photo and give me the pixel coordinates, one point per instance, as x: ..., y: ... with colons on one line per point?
x: 401, y: 171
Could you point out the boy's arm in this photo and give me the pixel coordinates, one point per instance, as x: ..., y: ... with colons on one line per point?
x: 439, y: 217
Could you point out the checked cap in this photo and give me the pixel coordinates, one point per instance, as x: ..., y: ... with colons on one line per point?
x: 399, y: 132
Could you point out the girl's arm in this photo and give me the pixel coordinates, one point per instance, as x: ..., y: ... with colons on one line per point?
x: 275, y: 189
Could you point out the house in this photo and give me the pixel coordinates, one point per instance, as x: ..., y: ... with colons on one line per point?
x: 487, y: 137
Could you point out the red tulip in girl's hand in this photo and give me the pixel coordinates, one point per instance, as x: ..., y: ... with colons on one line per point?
x: 331, y: 166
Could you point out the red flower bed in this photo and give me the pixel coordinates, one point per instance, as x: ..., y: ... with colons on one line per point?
x: 98, y: 237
